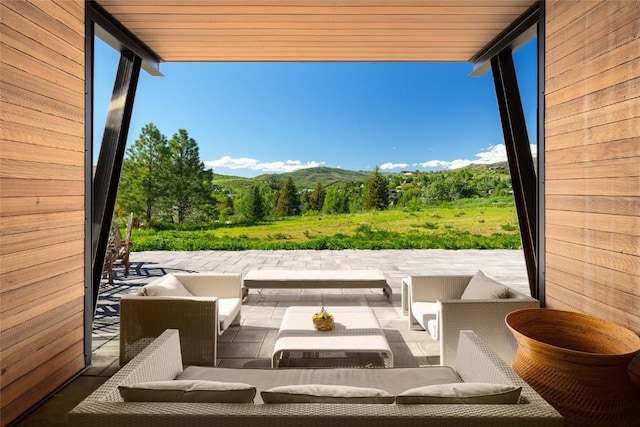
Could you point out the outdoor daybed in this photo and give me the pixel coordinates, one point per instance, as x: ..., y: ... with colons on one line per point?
x: 161, y: 361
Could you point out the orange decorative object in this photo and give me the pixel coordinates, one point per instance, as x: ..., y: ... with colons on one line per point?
x: 322, y: 320
x: 578, y: 363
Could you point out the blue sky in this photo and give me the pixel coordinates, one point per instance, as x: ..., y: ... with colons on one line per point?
x: 255, y: 118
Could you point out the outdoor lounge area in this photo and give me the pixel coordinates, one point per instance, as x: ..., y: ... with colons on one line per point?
x: 250, y: 345
x: 156, y: 389
x: 577, y: 200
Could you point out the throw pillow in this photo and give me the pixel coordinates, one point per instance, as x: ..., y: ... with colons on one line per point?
x: 322, y: 393
x: 188, y: 391
x: 483, y: 287
x: 461, y: 393
x: 167, y: 286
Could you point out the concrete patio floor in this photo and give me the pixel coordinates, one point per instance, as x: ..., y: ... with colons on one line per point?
x: 251, y: 343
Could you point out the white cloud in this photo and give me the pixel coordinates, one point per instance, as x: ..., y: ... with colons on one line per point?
x: 386, y: 166
x: 230, y: 163
x: 493, y: 154
x: 286, y: 166
x: 434, y: 164
x: 256, y: 165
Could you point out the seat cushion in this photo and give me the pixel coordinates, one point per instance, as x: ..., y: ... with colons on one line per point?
x: 432, y: 328
x: 167, y: 286
x: 188, y: 391
x: 461, y: 393
x: 325, y: 393
x: 426, y: 314
x: 228, y: 310
x: 393, y: 381
x: 482, y: 287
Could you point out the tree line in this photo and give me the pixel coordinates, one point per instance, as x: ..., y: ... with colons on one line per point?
x: 164, y: 181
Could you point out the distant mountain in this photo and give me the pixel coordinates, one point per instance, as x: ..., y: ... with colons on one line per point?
x: 303, y: 178
x: 230, y: 182
x: 307, y: 178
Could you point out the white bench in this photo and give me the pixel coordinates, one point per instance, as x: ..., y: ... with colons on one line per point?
x: 308, y: 279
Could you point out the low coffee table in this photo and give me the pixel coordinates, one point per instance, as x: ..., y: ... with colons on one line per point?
x: 356, y: 340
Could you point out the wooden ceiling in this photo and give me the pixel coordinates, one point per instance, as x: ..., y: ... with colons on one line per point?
x: 316, y: 30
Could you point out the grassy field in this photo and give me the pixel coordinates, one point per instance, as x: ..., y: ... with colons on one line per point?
x: 471, y: 223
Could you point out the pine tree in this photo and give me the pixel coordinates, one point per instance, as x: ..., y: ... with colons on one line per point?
x: 377, y: 191
x: 189, y: 181
x: 143, y: 179
x: 255, y: 205
x: 288, y: 200
x: 316, y: 199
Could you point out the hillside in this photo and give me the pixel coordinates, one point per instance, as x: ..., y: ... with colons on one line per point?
x: 230, y: 182
x: 307, y: 178
x: 303, y: 178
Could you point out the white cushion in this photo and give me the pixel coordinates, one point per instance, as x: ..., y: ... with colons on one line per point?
x: 432, y: 328
x: 188, y: 391
x: 461, y: 393
x: 322, y: 393
x: 167, y: 286
x: 426, y: 314
x: 483, y: 287
x: 228, y: 310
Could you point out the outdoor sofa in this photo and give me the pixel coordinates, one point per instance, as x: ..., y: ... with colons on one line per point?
x: 446, y: 305
x: 161, y: 361
x: 200, y: 305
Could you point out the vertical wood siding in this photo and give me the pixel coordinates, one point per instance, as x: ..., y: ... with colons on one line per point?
x: 41, y: 199
x: 592, y: 137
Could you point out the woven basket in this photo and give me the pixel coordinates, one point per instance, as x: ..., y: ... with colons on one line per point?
x: 323, y: 324
x: 578, y: 363
x: 324, y: 321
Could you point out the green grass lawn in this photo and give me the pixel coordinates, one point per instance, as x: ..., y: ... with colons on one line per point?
x: 471, y: 223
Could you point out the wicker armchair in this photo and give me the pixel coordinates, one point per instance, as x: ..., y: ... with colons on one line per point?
x: 213, y: 306
x: 433, y: 303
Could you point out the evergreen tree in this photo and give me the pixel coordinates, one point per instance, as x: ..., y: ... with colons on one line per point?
x: 377, y: 191
x: 189, y: 183
x: 143, y: 179
x: 316, y: 199
x: 288, y: 203
x: 253, y: 205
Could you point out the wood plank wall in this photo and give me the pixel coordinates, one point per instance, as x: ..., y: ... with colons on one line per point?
x: 592, y: 137
x: 41, y: 199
